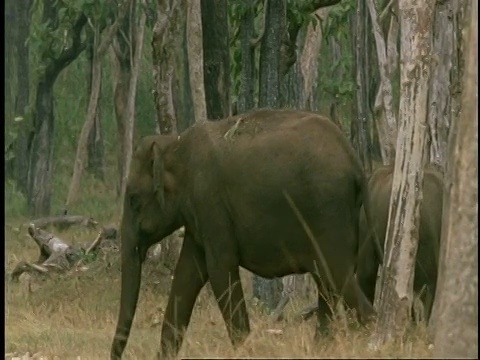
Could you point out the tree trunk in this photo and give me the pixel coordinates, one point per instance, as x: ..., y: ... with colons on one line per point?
x: 269, y: 291
x: 440, y: 97
x: 360, y: 134
x: 41, y: 156
x: 41, y: 150
x: 20, y: 161
x: 100, y: 46
x: 384, y: 103
x: 96, y: 153
x: 246, y: 96
x: 139, y: 31
x: 123, y: 43
x: 396, y: 282
x: 216, y: 58
x: 309, y: 62
x: 455, y: 319
x: 88, y: 126
x: 164, y: 47
x: 182, y: 91
x: 195, y: 58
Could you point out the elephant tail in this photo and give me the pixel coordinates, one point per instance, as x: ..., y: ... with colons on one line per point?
x: 372, y: 233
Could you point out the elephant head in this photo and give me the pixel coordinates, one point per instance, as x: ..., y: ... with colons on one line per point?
x: 150, y: 213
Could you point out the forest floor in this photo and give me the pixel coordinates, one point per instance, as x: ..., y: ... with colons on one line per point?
x: 73, y: 316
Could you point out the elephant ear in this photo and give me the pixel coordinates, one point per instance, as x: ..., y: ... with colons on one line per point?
x: 158, y: 172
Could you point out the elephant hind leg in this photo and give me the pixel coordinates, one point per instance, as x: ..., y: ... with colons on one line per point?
x: 225, y: 281
x: 189, y: 278
x: 326, y: 302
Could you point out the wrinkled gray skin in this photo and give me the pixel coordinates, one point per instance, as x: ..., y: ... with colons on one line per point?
x: 426, y: 266
x: 228, y: 183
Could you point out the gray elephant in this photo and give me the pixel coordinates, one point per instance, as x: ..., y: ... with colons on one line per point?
x: 277, y: 192
x: 426, y: 266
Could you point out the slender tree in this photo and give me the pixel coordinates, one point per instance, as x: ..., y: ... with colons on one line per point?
x: 100, y: 47
x: 396, y: 281
x: 195, y: 58
x: 454, y: 320
x: 18, y: 14
x: 216, y: 58
x: 54, y: 57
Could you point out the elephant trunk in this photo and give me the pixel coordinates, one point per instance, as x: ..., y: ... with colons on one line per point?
x: 130, y: 288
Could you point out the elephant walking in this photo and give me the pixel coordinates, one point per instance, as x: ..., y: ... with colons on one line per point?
x: 277, y: 192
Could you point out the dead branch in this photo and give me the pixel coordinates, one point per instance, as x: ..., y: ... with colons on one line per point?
x: 64, y: 222
x: 47, y: 243
x: 55, y: 253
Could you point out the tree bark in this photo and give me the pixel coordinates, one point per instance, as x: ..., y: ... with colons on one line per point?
x: 309, y: 62
x: 164, y: 48
x: 22, y: 29
x: 361, y: 125
x: 396, y: 281
x: 384, y: 105
x: 123, y: 44
x: 455, y: 319
x: 246, y: 96
x: 139, y: 30
x: 216, y: 58
x: 440, y: 98
x: 195, y: 58
x: 95, y: 146
x: 182, y: 91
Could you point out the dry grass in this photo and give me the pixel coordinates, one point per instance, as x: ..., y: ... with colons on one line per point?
x: 74, y: 316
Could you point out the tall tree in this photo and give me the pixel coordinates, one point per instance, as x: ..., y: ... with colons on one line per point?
x: 246, y: 96
x: 396, y: 281
x: 54, y: 55
x: 100, y: 47
x: 455, y: 318
x: 138, y: 28
x: 123, y: 44
x: 194, y: 39
x: 384, y: 108
x: 443, y: 81
x: 17, y: 30
x: 360, y: 134
x: 96, y: 151
x: 216, y: 58
x: 182, y: 86
x: 165, y: 34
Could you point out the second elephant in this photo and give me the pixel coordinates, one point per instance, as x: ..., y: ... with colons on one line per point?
x: 426, y: 266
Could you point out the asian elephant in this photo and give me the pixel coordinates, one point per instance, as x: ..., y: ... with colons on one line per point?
x: 426, y: 266
x: 274, y: 191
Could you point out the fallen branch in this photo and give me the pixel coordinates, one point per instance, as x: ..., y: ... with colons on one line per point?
x: 56, y: 254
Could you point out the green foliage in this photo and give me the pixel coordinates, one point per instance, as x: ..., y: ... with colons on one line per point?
x: 298, y: 17
x: 337, y: 26
x: 236, y: 11
x: 338, y: 20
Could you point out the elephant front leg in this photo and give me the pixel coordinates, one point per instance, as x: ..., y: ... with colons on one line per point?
x: 226, y: 286
x: 189, y: 278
